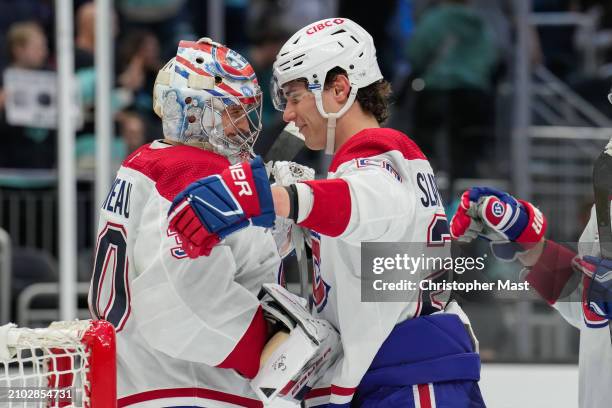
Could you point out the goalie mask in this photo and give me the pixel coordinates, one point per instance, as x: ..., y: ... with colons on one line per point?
x: 315, y: 50
x: 208, y: 95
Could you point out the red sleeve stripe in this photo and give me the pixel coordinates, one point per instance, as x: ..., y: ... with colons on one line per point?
x: 331, y: 207
x: 318, y: 392
x: 553, y: 270
x: 343, y: 391
x: 245, y: 356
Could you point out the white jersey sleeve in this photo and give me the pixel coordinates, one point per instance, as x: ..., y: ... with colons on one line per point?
x: 377, y: 200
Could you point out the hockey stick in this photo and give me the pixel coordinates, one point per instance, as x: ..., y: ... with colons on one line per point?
x: 286, y: 146
x: 602, y: 188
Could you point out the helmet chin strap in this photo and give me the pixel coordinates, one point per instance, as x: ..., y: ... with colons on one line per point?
x: 333, y: 117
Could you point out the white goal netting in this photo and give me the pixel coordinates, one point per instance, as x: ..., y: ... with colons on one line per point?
x: 50, y: 367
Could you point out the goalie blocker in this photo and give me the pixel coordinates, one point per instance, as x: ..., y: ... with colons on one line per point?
x: 292, y: 364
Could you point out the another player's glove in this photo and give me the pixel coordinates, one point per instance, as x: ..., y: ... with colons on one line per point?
x: 213, y: 207
x: 513, y: 226
x: 599, y: 294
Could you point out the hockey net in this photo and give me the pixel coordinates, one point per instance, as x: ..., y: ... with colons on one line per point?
x: 68, y: 364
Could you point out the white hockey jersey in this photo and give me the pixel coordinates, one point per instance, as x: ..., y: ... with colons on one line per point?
x: 183, y: 325
x: 565, y: 288
x: 381, y: 189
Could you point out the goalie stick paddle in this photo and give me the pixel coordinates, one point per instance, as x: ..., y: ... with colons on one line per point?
x: 602, y: 189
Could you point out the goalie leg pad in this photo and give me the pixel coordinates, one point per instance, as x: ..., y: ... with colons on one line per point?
x: 296, y: 363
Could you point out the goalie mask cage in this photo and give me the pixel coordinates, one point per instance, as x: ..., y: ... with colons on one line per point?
x: 77, y: 357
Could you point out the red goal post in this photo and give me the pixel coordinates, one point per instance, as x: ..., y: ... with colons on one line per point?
x: 68, y: 364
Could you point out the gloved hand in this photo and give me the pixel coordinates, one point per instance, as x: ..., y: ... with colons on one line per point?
x: 513, y: 226
x: 599, y: 294
x: 213, y: 207
x: 286, y: 173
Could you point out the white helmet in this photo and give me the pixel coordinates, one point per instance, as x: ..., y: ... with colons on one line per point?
x: 318, y: 48
x: 208, y: 95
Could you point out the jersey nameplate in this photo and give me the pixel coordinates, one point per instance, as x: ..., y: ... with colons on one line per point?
x: 118, y: 198
x: 427, y: 185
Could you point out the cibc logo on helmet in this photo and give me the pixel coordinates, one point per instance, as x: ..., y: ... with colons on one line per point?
x: 323, y: 25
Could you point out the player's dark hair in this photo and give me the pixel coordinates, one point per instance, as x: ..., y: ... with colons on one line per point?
x: 374, y: 98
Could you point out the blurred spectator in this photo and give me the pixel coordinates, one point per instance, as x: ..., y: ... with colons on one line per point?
x: 15, y: 11
x: 453, y: 58
x: 86, y: 152
x: 85, y: 36
x: 601, y: 40
x: 290, y: 15
x: 85, y: 43
x: 139, y: 61
x: 498, y: 14
x: 376, y: 21
x: 132, y: 131
x: 604, y: 7
x: 236, y: 15
x: 170, y: 20
x: 557, y: 41
x: 26, y: 147
x: 27, y: 46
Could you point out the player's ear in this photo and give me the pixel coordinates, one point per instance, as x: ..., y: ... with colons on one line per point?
x: 341, y: 88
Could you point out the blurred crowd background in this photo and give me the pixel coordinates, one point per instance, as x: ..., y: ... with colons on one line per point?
x: 453, y: 65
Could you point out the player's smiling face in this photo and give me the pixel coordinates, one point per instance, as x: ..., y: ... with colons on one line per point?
x: 302, y: 110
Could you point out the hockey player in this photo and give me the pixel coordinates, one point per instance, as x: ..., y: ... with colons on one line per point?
x: 566, y: 280
x: 189, y: 331
x: 379, y: 188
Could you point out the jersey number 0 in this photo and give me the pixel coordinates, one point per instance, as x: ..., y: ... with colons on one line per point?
x: 109, y: 294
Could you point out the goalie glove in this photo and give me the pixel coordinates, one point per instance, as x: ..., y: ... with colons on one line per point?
x: 295, y: 361
x: 286, y: 173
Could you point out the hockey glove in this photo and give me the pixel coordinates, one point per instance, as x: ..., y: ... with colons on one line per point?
x: 292, y: 363
x: 213, y: 207
x: 286, y: 173
x: 599, y: 294
x: 513, y: 226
